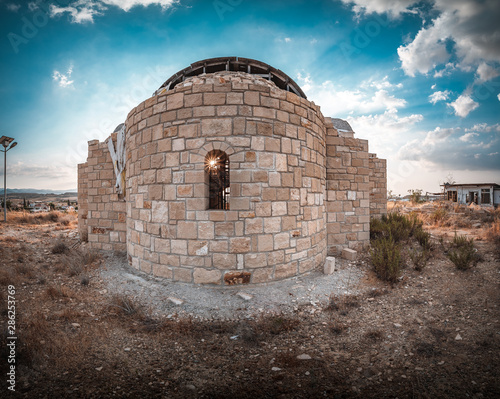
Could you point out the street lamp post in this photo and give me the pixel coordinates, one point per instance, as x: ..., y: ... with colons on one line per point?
x: 6, y: 143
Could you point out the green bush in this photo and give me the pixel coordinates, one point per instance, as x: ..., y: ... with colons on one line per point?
x: 419, y: 258
x: 462, y: 252
x: 395, y: 225
x: 386, y: 258
x: 424, y: 239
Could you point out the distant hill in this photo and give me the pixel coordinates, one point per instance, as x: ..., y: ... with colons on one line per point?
x: 37, y: 191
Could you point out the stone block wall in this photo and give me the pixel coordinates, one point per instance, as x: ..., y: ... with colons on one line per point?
x: 106, y: 213
x: 378, y: 186
x: 275, y: 140
x: 83, y: 206
x: 347, y: 190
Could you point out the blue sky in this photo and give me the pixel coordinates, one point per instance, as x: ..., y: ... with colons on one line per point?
x: 419, y: 80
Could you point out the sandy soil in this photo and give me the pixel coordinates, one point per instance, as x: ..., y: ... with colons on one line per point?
x: 90, y: 327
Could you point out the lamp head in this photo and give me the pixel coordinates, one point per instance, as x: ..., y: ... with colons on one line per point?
x: 5, y: 141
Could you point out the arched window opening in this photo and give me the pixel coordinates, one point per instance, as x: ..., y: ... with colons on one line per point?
x: 217, y: 167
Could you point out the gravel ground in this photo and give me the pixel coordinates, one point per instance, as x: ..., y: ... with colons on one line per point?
x: 215, y: 302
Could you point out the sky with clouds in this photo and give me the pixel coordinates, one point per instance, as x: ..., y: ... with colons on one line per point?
x: 419, y: 80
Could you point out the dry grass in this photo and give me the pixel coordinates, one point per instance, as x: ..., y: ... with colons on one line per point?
x: 68, y: 220
x: 58, y: 292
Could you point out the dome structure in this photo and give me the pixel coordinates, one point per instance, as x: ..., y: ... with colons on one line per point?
x: 231, y: 177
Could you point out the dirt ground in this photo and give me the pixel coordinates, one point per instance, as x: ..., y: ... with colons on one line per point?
x: 433, y: 334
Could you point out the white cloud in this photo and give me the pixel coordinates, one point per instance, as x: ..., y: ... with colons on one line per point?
x: 439, y: 96
x: 287, y: 40
x: 63, y: 80
x: 464, y: 105
x: 472, y: 26
x: 40, y: 171
x: 484, y: 128
x: 448, y: 147
x: 13, y: 7
x: 425, y: 52
x: 32, y: 6
x: 82, y: 11
x: 498, y: 96
x: 468, y: 137
x: 447, y: 70
x: 392, y: 7
x: 339, y: 102
x: 486, y: 72
x: 126, y: 5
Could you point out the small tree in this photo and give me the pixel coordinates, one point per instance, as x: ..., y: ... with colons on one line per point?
x: 415, y: 195
x: 9, y: 204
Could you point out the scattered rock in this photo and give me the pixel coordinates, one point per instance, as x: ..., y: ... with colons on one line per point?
x: 98, y: 368
x: 76, y: 325
x: 458, y: 337
x: 276, y: 369
x: 349, y: 254
x: 304, y: 356
x: 175, y: 301
x: 126, y: 349
x: 329, y: 267
x: 245, y: 296
x: 397, y: 325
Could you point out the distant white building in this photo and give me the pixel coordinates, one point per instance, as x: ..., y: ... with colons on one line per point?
x: 484, y: 194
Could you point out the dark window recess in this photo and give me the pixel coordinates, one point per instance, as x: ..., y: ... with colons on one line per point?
x: 485, y: 196
x: 452, y: 196
x: 217, y: 167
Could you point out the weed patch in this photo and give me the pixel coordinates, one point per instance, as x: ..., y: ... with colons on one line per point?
x: 386, y: 259
x: 462, y: 253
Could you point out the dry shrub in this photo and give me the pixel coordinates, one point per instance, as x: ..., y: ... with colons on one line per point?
x: 462, y: 252
x: 67, y: 314
x: 419, y: 258
x: 342, y: 303
x: 8, y: 239
x: 124, y: 305
x: 8, y: 277
x: 76, y: 261
x: 24, y: 269
x: 60, y: 247
x: 492, y: 233
x: 439, y: 216
x: 375, y: 335
x: 42, y: 341
x: 33, y: 331
x: 336, y: 327
x: 58, y: 292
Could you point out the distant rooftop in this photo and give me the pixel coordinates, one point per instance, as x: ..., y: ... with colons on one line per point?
x: 341, y: 125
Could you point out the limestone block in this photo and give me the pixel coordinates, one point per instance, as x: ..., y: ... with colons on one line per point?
x: 329, y: 267
x: 203, y: 276
x: 349, y: 254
